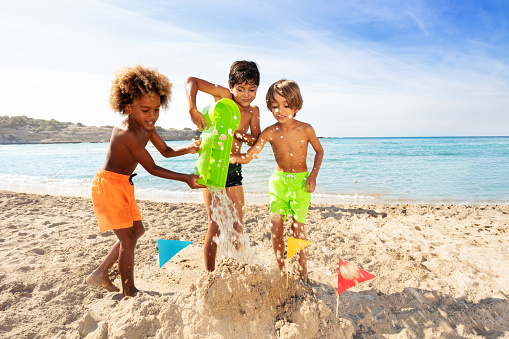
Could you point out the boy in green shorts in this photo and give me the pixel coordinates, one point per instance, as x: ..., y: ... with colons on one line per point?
x: 291, y: 185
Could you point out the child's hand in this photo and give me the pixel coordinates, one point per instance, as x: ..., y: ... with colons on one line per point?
x: 198, y: 119
x: 194, y: 147
x: 310, y: 184
x: 233, y: 160
x: 192, y: 181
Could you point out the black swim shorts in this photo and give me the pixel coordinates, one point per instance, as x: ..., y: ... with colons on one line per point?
x: 234, y: 177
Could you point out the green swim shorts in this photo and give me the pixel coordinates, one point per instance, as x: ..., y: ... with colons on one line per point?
x: 287, y: 194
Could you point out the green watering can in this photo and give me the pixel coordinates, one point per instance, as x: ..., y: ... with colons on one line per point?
x: 222, y: 119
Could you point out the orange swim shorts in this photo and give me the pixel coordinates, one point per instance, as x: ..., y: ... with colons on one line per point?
x: 113, y: 198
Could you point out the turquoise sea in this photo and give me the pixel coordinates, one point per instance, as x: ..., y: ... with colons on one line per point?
x: 436, y: 170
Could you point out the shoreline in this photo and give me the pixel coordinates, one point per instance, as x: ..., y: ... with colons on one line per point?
x: 195, y: 196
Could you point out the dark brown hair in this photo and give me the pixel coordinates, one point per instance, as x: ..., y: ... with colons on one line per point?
x: 244, y: 71
x: 130, y: 84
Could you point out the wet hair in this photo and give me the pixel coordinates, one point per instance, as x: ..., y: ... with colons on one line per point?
x: 244, y: 71
x: 130, y: 84
x: 289, y: 90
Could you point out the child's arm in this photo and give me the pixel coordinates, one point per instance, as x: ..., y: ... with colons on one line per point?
x: 168, y: 152
x: 310, y: 185
x: 254, y: 126
x: 192, y: 86
x: 245, y: 158
x: 143, y: 157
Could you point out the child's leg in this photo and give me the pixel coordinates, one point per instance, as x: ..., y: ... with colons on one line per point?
x: 128, y: 238
x: 100, y: 276
x: 278, y: 244
x: 209, y: 245
x: 236, y: 195
x: 299, y: 233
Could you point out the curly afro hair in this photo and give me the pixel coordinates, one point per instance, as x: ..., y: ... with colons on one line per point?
x: 130, y: 84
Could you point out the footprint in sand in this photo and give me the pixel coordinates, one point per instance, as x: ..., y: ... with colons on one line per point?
x: 38, y: 251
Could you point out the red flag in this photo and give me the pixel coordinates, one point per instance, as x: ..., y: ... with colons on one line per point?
x: 350, y: 275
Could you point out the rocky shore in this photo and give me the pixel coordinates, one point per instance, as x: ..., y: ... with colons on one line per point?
x: 76, y: 134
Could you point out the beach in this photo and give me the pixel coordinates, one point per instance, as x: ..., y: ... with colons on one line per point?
x: 441, y: 271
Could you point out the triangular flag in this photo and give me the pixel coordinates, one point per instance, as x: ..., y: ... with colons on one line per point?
x: 295, y: 245
x: 350, y: 275
x: 168, y: 248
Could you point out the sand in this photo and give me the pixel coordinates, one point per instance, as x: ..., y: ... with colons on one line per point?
x: 442, y: 272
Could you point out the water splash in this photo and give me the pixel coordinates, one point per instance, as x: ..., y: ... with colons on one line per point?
x: 230, y: 243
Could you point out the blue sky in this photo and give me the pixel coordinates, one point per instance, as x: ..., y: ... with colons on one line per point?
x: 365, y: 68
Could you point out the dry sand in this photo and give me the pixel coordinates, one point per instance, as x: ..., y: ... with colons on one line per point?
x: 442, y: 272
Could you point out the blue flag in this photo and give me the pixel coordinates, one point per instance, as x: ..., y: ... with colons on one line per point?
x: 168, y: 248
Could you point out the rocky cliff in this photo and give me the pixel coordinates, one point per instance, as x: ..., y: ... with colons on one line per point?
x: 77, y: 133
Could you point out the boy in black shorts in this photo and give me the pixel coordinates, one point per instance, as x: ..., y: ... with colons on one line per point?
x: 243, y: 83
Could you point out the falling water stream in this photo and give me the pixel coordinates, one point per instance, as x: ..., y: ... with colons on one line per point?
x: 230, y: 243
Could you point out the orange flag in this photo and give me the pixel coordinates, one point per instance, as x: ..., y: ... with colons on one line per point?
x: 350, y: 275
x: 295, y: 245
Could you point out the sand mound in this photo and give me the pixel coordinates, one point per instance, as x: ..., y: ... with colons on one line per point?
x: 236, y: 300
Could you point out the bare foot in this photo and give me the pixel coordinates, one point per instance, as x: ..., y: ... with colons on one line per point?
x: 303, y: 275
x: 302, y: 278
x: 131, y: 292
x: 96, y: 279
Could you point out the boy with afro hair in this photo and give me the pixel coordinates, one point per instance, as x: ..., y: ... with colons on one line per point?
x: 138, y: 93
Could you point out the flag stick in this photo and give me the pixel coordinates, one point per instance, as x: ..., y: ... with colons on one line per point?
x: 162, y: 291
x: 287, y: 273
x: 337, y: 305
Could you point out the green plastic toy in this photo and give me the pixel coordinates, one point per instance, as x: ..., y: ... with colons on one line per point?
x: 222, y: 119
